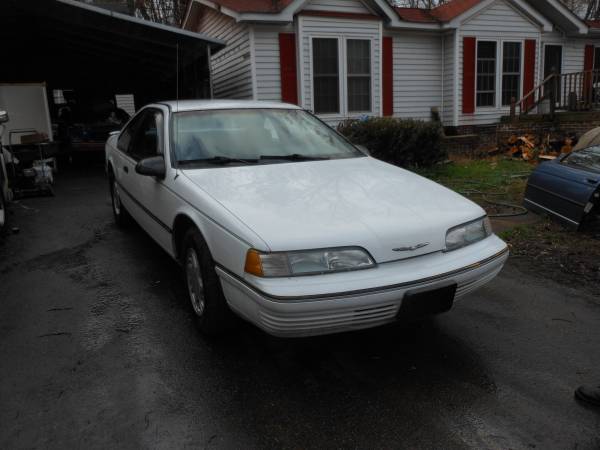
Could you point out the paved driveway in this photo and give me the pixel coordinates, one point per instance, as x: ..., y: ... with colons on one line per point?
x: 99, y: 350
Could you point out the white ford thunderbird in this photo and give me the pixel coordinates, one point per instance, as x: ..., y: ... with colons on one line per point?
x: 278, y: 219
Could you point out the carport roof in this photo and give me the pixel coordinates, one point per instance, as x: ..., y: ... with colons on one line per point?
x: 165, y: 32
x: 73, y: 44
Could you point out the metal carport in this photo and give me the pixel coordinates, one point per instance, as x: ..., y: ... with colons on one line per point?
x: 66, y: 43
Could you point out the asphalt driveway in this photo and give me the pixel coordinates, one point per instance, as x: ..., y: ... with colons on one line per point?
x: 98, y: 349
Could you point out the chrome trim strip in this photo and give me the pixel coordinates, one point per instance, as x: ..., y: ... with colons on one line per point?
x: 526, y: 200
x: 277, y: 298
x: 144, y: 209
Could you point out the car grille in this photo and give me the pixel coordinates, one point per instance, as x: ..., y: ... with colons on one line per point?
x: 318, y: 322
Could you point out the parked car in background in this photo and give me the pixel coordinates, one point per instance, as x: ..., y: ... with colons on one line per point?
x: 567, y: 188
x: 277, y: 218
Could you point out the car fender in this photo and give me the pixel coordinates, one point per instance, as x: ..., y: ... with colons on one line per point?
x: 227, y: 247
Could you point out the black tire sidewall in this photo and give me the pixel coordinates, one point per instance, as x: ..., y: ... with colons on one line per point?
x: 217, y: 317
x: 121, y: 218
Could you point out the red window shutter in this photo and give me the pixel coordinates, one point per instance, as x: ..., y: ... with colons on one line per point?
x: 287, y: 68
x: 388, y: 76
x: 468, y: 79
x: 588, y: 65
x: 529, y: 70
x: 588, y: 60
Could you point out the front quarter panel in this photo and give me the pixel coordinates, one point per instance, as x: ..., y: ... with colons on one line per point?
x: 227, y: 237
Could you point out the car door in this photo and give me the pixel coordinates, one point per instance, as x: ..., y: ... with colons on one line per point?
x: 150, y: 195
x: 122, y: 162
x: 566, y: 187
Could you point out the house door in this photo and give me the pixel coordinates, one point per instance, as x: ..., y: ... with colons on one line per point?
x: 553, y: 61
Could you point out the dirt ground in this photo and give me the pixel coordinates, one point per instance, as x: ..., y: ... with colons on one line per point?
x: 549, y: 250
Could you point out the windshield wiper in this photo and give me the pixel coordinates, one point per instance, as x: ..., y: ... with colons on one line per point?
x: 294, y: 157
x: 217, y: 160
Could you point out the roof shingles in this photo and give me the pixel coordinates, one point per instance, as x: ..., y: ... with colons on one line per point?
x: 443, y: 13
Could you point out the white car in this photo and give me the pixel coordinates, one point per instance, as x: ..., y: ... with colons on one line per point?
x: 277, y: 218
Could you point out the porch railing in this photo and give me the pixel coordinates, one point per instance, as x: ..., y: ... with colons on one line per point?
x: 577, y: 91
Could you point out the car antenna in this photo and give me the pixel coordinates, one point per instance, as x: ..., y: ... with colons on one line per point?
x: 176, y: 99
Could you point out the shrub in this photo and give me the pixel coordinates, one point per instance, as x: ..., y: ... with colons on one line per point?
x: 407, y: 143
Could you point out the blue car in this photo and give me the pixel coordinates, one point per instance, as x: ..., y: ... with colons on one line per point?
x: 567, y: 188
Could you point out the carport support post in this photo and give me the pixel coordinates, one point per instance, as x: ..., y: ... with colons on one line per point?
x: 210, y: 74
x: 553, y: 88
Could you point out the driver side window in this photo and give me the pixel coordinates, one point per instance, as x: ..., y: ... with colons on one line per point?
x: 147, y: 139
x: 124, y: 141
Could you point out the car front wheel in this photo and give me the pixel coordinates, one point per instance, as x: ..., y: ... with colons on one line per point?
x: 119, y: 212
x: 2, y: 210
x: 213, y: 316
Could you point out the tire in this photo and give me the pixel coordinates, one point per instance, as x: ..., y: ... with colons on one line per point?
x: 3, y: 214
x: 119, y: 212
x: 213, y: 316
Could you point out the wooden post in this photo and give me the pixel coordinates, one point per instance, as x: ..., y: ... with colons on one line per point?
x: 553, y: 87
x: 513, y: 109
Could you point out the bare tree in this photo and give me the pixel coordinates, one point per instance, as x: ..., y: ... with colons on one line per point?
x: 162, y: 11
x: 423, y: 4
x: 589, y: 8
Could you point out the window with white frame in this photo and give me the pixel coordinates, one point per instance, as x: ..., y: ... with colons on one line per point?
x: 350, y: 75
x: 326, y: 76
x: 359, y: 75
x: 511, y: 72
x: 486, y: 73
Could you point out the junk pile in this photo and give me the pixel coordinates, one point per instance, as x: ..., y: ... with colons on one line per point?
x: 533, y: 148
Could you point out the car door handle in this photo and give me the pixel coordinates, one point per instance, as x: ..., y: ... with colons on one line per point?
x: 125, y: 169
x: 591, y: 180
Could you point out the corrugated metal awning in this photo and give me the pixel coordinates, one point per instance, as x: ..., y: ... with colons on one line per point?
x: 69, y: 44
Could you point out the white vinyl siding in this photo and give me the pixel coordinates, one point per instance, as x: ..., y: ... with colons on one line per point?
x: 314, y: 27
x: 417, y: 74
x: 447, y: 111
x: 347, y: 6
x: 266, y: 61
x: 499, y: 22
x: 231, y: 67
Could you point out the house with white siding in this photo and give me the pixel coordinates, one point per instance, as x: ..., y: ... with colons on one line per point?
x: 464, y: 61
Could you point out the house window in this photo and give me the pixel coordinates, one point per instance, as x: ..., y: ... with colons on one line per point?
x: 359, y: 75
x: 486, y: 73
x: 326, y: 76
x: 511, y: 72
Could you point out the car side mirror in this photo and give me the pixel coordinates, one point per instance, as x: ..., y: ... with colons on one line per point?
x: 3, y: 117
x: 152, y: 167
x: 364, y: 149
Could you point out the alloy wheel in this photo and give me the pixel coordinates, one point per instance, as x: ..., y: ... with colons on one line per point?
x: 116, y: 198
x: 194, y: 281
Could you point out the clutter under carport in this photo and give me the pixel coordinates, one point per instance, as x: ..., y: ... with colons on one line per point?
x: 96, y: 68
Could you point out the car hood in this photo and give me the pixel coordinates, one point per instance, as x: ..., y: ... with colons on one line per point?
x: 345, y: 202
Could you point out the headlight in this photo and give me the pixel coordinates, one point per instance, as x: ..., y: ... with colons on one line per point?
x: 309, y: 262
x: 468, y: 233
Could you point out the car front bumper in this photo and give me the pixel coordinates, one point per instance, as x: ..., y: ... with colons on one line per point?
x: 315, y: 305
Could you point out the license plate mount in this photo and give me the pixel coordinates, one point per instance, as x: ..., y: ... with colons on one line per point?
x: 422, y: 303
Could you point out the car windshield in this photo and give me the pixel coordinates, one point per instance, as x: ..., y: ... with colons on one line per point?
x: 247, y: 136
x: 587, y: 158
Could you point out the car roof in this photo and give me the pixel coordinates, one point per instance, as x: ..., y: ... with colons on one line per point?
x: 203, y: 105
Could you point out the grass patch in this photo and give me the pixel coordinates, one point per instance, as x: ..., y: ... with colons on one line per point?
x: 483, y: 180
